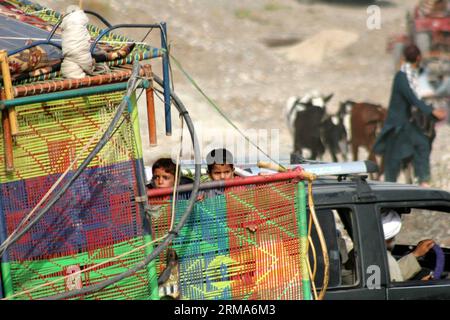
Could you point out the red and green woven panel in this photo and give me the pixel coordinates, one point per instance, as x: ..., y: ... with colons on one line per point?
x: 242, y: 244
x: 51, y: 134
x: 34, y: 279
x: 95, y: 220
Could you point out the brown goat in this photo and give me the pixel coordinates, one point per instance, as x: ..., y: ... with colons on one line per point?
x: 366, y: 120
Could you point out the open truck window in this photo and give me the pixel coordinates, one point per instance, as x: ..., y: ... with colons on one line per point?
x: 336, y: 226
x: 418, y: 224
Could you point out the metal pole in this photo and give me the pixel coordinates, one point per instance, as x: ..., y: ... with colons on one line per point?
x: 166, y: 79
x: 300, y: 174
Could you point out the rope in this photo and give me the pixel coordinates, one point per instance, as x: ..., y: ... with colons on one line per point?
x: 321, y: 239
x: 312, y: 274
x: 145, y: 37
x: 312, y: 281
x: 177, y: 173
x: 310, y: 242
x: 214, y: 105
x: 313, y: 249
x: 176, y: 185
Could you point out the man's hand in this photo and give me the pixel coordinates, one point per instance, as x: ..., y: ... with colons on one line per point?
x: 423, y: 247
x: 426, y: 278
x: 440, y: 113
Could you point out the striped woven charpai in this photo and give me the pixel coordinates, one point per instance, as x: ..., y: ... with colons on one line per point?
x: 242, y: 244
x: 94, y: 222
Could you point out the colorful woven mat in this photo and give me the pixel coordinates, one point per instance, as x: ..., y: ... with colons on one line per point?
x: 95, y: 221
x: 34, y: 279
x: 53, y: 133
x: 241, y: 243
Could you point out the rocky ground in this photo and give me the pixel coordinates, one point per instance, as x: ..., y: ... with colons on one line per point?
x: 250, y: 56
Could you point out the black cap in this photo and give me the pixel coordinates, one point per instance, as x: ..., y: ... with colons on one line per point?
x: 219, y: 156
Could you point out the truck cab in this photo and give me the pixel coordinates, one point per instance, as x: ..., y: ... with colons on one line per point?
x: 349, y: 212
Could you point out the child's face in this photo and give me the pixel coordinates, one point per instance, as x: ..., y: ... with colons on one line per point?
x: 222, y: 172
x: 163, y: 179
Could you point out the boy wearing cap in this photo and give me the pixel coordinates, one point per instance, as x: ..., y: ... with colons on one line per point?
x: 406, y: 267
x: 220, y: 164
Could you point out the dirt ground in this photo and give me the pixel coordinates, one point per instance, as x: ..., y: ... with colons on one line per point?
x: 251, y: 56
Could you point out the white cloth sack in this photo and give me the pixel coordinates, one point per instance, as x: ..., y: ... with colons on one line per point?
x: 76, y: 45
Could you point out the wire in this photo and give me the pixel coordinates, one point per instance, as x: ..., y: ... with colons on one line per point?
x: 310, y: 224
x: 313, y: 249
x: 192, y: 81
x: 322, y: 241
x: 146, y: 35
x: 312, y: 281
x: 175, y: 189
x: 177, y: 178
x: 125, y: 117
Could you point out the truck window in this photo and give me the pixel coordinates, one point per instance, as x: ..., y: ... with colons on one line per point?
x: 346, y: 246
x: 418, y: 224
x: 340, y: 249
x: 425, y: 223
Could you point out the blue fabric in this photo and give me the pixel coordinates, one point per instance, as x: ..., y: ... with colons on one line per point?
x: 17, y: 29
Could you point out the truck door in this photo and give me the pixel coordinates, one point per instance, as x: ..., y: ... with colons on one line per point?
x: 422, y: 221
x: 355, y: 271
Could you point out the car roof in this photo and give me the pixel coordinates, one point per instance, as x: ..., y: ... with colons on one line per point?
x: 330, y: 190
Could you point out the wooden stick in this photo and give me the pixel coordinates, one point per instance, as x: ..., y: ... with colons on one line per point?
x: 151, y: 118
x: 9, y: 95
x: 80, y: 4
x: 270, y: 166
x: 9, y: 159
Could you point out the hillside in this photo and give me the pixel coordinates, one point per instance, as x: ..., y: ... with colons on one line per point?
x: 250, y: 56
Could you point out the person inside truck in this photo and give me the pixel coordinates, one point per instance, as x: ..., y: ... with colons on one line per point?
x: 406, y: 267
